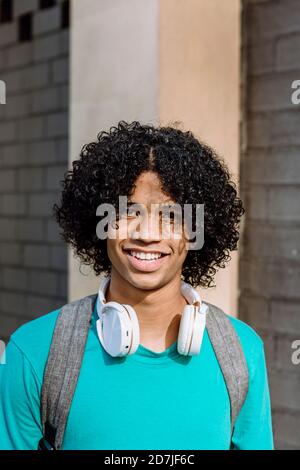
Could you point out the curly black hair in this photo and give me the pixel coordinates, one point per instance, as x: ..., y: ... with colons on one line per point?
x: 190, y: 172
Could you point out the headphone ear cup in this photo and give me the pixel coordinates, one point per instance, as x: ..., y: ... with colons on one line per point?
x: 135, y: 329
x: 186, y: 330
x: 115, y: 329
x: 191, y: 331
x: 198, y: 331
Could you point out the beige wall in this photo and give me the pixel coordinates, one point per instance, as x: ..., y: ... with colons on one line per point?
x: 157, y: 61
x: 114, y: 76
x: 199, y: 86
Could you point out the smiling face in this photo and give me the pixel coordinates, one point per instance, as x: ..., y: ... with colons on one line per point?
x: 151, y: 258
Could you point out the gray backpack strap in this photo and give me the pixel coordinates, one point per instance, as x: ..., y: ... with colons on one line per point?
x: 63, y: 368
x: 230, y: 355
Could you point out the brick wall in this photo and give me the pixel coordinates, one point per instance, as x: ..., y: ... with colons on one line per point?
x: 34, y: 60
x: 270, y: 186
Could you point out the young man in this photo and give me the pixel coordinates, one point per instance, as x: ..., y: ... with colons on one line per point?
x: 155, y: 397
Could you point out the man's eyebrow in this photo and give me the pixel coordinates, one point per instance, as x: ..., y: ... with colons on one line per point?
x: 167, y: 204
x: 174, y: 209
x: 132, y: 202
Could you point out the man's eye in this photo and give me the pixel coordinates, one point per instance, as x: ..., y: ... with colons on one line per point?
x: 133, y: 213
x: 168, y: 216
x: 129, y: 213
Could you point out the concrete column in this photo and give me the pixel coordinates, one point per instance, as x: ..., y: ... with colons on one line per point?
x: 157, y: 61
x: 114, y: 76
x: 199, y: 86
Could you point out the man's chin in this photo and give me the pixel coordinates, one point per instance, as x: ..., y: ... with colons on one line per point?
x: 145, y: 281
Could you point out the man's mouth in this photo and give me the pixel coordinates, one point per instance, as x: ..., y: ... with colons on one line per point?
x: 145, y: 255
x: 145, y: 260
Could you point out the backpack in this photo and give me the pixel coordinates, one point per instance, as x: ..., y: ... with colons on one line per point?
x: 67, y: 349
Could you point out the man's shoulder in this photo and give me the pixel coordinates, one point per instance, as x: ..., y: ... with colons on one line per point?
x: 251, y: 342
x: 34, y: 338
x: 37, y: 328
x: 248, y: 336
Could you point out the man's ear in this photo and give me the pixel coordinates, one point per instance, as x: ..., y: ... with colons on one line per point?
x: 186, y: 236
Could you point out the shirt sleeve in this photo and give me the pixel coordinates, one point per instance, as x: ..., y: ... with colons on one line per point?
x: 253, y: 426
x: 20, y: 424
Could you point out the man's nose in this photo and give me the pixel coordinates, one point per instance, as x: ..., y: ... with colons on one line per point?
x: 149, y: 228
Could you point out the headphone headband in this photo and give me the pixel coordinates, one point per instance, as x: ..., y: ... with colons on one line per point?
x: 118, y: 327
x: 189, y: 293
x: 102, y: 289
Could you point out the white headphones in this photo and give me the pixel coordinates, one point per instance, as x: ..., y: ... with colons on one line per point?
x: 118, y: 327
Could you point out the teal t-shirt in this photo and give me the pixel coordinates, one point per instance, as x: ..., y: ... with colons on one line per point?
x: 147, y: 400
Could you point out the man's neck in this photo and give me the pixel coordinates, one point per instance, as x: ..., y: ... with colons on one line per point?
x: 158, y: 311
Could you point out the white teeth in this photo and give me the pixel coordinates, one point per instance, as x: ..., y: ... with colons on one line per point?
x: 148, y: 256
